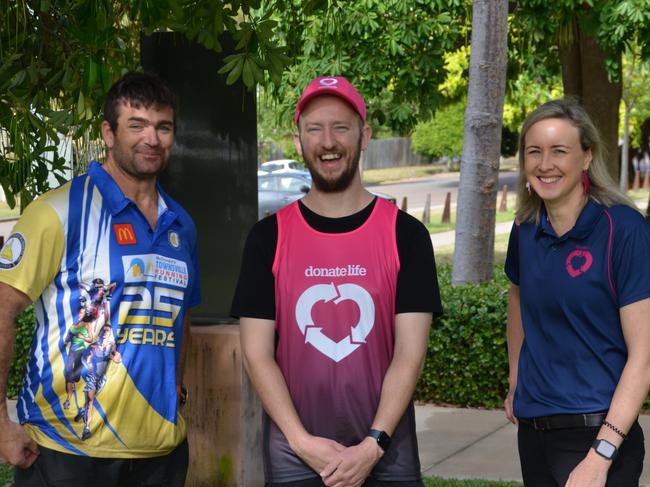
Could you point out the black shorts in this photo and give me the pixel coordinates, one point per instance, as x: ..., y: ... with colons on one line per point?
x: 56, y: 469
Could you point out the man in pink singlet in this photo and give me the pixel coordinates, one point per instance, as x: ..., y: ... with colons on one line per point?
x: 335, y: 298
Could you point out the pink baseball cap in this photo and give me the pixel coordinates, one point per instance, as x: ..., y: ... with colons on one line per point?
x: 332, y: 85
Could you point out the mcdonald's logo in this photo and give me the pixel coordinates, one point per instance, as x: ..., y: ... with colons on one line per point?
x: 124, y: 233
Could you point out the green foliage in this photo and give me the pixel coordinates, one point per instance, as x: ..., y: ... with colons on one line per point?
x: 392, y: 50
x: 636, y: 95
x: 58, y: 59
x: 443, y: 134
x: 454, y: 86
x: 525, y: 93
x: 25, y: 324
x: 467, y: 358
x: 6, y: 475
x: 439, y: 482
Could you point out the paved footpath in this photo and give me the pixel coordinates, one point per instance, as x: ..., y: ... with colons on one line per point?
x: 478, y: 444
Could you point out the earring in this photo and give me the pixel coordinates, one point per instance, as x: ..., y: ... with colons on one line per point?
x: 585, y: 182
x: 528, y: 186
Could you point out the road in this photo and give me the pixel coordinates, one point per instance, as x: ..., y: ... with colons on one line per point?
x: 438, y: 185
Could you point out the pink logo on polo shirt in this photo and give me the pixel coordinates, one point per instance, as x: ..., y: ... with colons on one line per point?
x: 578, y: 262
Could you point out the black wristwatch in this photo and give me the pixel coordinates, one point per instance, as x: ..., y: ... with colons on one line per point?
x: 605, y: 449
x: 383, y: 440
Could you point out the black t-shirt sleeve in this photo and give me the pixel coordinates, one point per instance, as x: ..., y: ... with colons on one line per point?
x: 255, y: 291
x: 417, y: 281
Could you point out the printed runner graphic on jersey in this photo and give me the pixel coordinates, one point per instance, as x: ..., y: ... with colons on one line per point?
x: 84, y: 337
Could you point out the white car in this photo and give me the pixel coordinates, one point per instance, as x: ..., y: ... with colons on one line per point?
x: 281, y: 165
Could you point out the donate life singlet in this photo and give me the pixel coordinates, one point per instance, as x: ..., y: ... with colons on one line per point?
x: 335, y: 302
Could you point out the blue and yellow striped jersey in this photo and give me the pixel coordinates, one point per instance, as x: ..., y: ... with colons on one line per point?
x: 110, y: 295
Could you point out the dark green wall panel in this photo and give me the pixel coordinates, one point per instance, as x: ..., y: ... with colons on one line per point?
x: 212, y: 171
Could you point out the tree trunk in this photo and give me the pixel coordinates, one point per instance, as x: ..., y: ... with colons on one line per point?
x: 585, y: 76
x: 477, y: 191
x: 625, y: 153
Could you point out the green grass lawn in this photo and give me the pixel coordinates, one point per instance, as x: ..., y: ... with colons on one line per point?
x: 391, y: 174
x: 436, y: 216
x: 438, y: 482
x: 6, y: 478
x: 445, y: 253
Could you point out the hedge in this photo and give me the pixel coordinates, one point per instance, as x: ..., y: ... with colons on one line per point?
x: 25, y: 324
x: 467, y: 358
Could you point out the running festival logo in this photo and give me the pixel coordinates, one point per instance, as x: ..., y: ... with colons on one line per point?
x: 12, y: 252
x: 155, y: 268
x: 313, y: 333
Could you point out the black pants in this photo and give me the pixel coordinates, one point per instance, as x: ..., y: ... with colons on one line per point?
x: 56, y: 469
x: 317, y: 482
x: 548, y: 457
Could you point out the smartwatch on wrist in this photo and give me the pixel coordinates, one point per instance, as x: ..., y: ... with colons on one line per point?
x: 605, y: 449
x: 383, y: 440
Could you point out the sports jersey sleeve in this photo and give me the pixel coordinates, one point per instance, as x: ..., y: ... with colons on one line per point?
x: 630, y: 262
x: 255, y: 292
x: 31, y: 256
x: 417, y: 280
x: 512, y: 256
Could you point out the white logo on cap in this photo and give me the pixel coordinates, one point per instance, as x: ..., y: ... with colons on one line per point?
x: 328, y: 81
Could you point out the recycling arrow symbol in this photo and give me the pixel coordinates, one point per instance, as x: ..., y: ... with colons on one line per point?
x: 314, y: 335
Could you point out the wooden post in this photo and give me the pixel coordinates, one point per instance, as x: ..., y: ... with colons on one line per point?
x: 223, y: 413
x: 504, y: 199
x: 646, y: 180
x: 635, y: 184
x: 426, y: 213
x: 405, y: 204
x: 446, y: 212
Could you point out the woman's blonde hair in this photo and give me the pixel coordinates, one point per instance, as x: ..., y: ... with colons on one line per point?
x: 602, y: 188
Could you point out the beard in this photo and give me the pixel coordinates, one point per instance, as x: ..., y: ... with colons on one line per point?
x: 128, y: 160
x: 340, y: 183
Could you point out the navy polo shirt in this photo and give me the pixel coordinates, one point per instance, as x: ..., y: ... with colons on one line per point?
x: 571, y: 289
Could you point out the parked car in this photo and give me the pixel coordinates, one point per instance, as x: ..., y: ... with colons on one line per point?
x: 282, y: 165
x: 276, y: 190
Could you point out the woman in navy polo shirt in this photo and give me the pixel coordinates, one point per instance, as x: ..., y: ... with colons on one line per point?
x: 578, y: 309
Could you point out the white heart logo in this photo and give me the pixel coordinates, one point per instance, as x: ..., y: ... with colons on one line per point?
x: 337, y: 351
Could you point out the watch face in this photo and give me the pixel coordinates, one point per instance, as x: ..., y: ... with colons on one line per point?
x: 606, y: 449
x: 384, y: 441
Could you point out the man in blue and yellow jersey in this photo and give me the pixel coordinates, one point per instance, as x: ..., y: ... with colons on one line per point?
x: 109, y: 262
